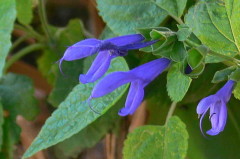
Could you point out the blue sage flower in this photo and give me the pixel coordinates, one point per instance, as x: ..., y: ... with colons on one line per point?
x: 106, y: 49
x: 139, y: 77
x: 217, y: 104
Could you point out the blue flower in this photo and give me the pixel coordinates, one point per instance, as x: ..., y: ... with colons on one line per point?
x: 217, y: 104
x: 139, y: 77
x: 106, y: 49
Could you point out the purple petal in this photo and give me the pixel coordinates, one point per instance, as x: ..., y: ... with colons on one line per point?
x: 126, y: 39
x: 138, y: 45
x: 134, y: 98
x: 112, y: 82
x: 213, y: 132
x: 214, y: 114
x: 149, y: 71
x: 226, y: 91
x: 222, y: 117
x: 81, y: 49
x: 205, y: 103
x: 98, y: 68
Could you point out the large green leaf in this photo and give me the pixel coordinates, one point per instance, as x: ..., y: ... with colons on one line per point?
x: 124, y: 16
x: 24, y: 11
x: 7, y: 18
x: 166, y: 142
x: 216, y: 23
x: 74, y: 114
x: 17, y: 96
x: 173, y: 7
x: 177, y: 83
x: 90, y: 135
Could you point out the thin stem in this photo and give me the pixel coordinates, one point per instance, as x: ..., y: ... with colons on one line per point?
x: 179, y: 20
x: 22, y: 53
x: 18, y: 41
x: 171, y: 111
x: 43, y: 18
x: 30, y: 31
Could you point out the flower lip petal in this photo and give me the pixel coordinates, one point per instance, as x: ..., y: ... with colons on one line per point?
x: 98, y: 68
x: 126, y: 39
x: 206, y: 102
x: 134, y: 98
x: 213, y: 132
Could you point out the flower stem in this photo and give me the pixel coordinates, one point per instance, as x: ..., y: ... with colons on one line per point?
x: 22, y: 53
x: 30, y: 31
x: 18, y: 41
x: 179, y: 20
x: 43, y: 18
x: 171, y: 111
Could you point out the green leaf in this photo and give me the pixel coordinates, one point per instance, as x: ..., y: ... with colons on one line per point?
x: 91, y: 135
x: 197, y: 71
x: 45, y: 65
x: 166, y: 142
x: 194, y: 58
x: 7, y: 18
x: 1, y: 125
x: 236, y: 91
x: 235, y: 75
x: 17, y: 96
x: 178, y: 53
x: 24, y: 11
x: 177, y: 83
x: 11, y: 135
x: 223, y: 75
x: 183, y: 32
x: 173, y: 7
x: 216, y: 23
x: 74, y: 114
x: 64, y: 83
x: 124, y: 16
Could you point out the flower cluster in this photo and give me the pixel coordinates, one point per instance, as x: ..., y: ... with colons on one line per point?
x: 139, y: 77
x: 108, y: 49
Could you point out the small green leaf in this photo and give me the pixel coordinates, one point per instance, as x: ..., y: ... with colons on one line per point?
x: 152, y: 142
x: 216, y: 23
x: 236, y: 91
x: 11, y: 135
x: 173, y: 7
x: 177, y: 83
x: 124, y: 16
x: 197, y: 71
x: 179, y: 53
x: 235, y: 75
x: 183, y: 32
x: 17, y: 96
x: 7, y: 18
x: 45, y: 65
x: 24, y: 11
x: 74, y: 114
x: 223, y: 75
x: 194, y: 58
